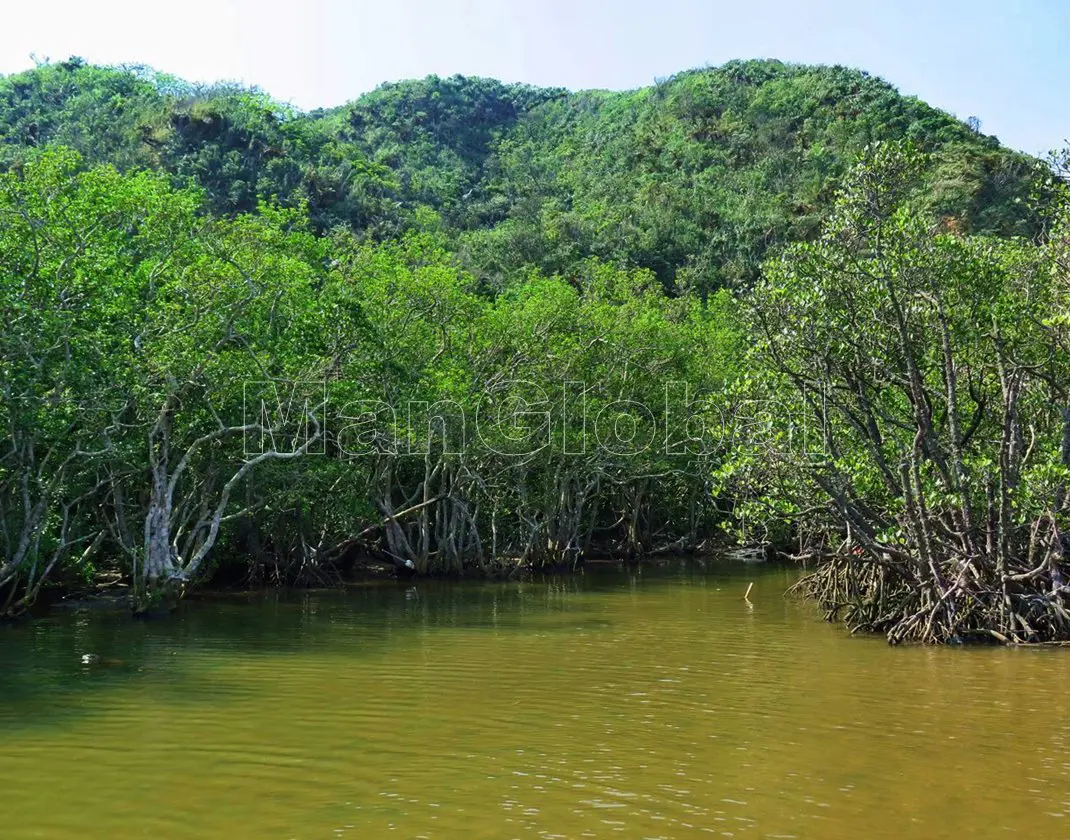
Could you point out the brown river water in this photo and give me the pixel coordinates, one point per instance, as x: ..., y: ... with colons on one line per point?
x: 613, y: 704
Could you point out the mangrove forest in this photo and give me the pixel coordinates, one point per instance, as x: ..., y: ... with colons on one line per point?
x: 461, y: 328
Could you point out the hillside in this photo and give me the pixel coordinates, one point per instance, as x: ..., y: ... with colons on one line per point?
x: 844, y: 281
x: 694, y: 178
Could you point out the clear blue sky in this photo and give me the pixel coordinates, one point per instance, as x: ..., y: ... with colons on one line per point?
x: 1006, y: 62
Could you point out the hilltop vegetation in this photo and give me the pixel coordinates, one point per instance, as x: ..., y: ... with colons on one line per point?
x: 694, y: 178
x: 487, y: 328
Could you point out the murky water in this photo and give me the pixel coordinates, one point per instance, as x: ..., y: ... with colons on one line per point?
x: 653, y: 705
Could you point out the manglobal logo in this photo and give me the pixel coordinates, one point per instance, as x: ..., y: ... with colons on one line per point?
x: 516, y: 418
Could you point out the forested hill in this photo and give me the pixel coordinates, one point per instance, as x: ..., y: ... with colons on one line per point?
x: 694, y: 178
x: 845, y: 280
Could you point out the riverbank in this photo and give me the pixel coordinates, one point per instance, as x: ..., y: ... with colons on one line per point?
x: 109, y: 592
x: 828, y: 586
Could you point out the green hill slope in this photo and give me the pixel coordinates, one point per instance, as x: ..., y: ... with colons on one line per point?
x: 694, y: 178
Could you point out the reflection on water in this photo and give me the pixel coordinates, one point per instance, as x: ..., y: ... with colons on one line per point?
x: 615, y: 704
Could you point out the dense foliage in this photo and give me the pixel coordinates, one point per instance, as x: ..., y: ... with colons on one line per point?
x: 694, y: 178
x: 465, y: 326
x: 154, y: 363
x: 924, y: 378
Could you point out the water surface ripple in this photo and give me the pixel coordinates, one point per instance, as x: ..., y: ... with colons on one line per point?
x: 610, y: 705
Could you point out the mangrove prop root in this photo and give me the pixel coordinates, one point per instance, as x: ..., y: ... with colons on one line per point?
x: 972, y: 604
